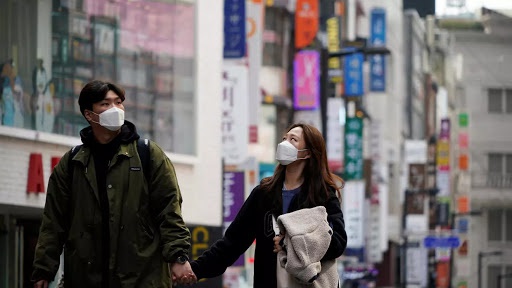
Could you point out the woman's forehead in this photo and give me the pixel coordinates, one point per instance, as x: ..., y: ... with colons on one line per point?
x: 297, y: 131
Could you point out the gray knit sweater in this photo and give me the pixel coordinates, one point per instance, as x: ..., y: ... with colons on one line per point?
x: 307, y: 238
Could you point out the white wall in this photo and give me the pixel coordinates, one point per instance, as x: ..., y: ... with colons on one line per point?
x: 199, y: 176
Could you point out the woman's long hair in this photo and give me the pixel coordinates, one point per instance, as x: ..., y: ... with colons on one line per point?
x: 318, y: 180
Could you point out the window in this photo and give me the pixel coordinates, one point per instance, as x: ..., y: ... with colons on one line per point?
x: 499, y: 223
x: 498, y: 271
x: 499, y: 100
x: 495, y: 163
x: 140, y: 46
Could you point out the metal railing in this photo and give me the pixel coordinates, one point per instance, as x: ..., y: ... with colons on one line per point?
x: 491, y: 180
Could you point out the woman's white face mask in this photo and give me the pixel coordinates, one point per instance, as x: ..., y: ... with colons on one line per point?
x: 287, y: 153
x: 112, y: 119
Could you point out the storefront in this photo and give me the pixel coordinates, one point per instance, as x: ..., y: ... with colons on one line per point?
x: 50, y: 48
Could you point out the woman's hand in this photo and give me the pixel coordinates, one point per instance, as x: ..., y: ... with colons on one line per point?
x: 277, y: 243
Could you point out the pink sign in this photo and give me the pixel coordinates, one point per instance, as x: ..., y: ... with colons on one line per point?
x: 306, y: 79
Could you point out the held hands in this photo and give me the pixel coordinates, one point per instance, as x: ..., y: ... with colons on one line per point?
x: 278, y: 242
x: 182, y: 274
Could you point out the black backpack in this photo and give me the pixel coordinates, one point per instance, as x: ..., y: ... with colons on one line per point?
x: 142, y: 149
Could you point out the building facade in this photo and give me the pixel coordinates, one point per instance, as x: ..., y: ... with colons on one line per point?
x: 485, y: 94
x: 160, y: 52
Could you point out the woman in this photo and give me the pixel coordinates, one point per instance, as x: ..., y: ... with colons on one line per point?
x: 301, y: 180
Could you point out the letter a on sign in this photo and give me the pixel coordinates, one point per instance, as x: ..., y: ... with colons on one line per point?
x: 35, y: 181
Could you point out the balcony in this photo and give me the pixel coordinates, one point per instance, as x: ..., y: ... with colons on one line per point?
x: 491, y: 180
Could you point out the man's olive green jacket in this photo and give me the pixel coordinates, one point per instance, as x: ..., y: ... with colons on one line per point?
x: 146, y: 227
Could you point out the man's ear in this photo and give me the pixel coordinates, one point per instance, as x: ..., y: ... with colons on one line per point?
x: 88, y: 115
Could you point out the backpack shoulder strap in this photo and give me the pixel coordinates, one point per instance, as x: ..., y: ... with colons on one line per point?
x: 143, y: 150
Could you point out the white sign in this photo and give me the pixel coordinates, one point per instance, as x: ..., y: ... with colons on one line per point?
x: 415, y: 151
x: 234, y: 121
x: 334, y: 129
x: 254, y: 28
x: 353, y: 210
x: 417, y: 268
x: 443, y: 183
x: 374, y: 252
x: 311, y: 117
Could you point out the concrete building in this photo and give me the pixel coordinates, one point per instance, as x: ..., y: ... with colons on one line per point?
x: 171, y: 73
x: 485, y: 94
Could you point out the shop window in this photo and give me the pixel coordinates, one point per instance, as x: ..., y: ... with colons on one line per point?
x: 141, y: 45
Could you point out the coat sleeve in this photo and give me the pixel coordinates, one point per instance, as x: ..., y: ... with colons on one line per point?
x: 165, y: 205
x: 339, y: 237
x: 237, y: 239
x: 54, y: 227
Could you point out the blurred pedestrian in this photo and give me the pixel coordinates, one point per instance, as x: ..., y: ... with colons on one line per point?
x: 301, y: 180
x: 119, y: 226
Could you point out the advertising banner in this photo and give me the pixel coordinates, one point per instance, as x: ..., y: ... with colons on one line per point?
x: 234, y: 28
x: 353, y: 210
x: 306, y: 22
x: 334, y: 28
x: 234, y: 121
x: 335, y: 132
x: 353, y: 74
x: 306, y: 74
x: 378, y: 39
x: 233, y: 192
x: 254, y: 25
x: 353, y: 149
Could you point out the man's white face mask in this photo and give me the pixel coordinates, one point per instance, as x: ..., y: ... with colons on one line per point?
x: 112, y: 119
x: 287, y: 153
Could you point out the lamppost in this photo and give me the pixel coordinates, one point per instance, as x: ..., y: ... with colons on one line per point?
x: 503, y: 276
x: 480, y: 256
x: 452, y: 225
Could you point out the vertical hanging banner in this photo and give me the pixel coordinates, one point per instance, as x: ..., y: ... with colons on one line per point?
x: 233, y: 199
x: 353, y: 74
x: 306, y: 22
x: 234, y: 120
x: 306, y: 79
x: 353, y: 210
x: 234, y: 28
x: 334, y: 28
x: 353, y: 149
x: 378, y: 39
x: 254, y: 27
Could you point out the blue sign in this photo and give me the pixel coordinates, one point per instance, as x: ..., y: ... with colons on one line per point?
x: 378, y: 39
x: 353, y: 73
x: 441, y: 242
x: 234, y: 28
x: 463, y: 225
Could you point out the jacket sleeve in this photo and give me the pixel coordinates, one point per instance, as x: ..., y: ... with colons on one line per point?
x: 237, y: 239
x: 339, y: 237
x: 165, y: 205
x: 54, y: 226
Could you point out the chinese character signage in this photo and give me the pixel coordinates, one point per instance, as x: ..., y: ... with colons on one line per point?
x: 234, y: 28
x: 233, y: 187
x: 306, y: 22
x: 234, y: 119
x: 306, y: 74
x: 378, y: 39
x: 353, y: 73
x: 353, y: 149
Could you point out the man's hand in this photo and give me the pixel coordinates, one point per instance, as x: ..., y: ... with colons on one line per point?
x: 182, y: 274
x: 41, y: 284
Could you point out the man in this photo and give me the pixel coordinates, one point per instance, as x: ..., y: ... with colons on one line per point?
x: 117, y: 229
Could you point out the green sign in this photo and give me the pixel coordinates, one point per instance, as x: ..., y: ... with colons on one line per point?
x: 353, y: 149
x: 463, y: 120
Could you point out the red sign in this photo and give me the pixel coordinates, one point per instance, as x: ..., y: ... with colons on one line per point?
x: 306, y: 22
x: 35, y: 180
